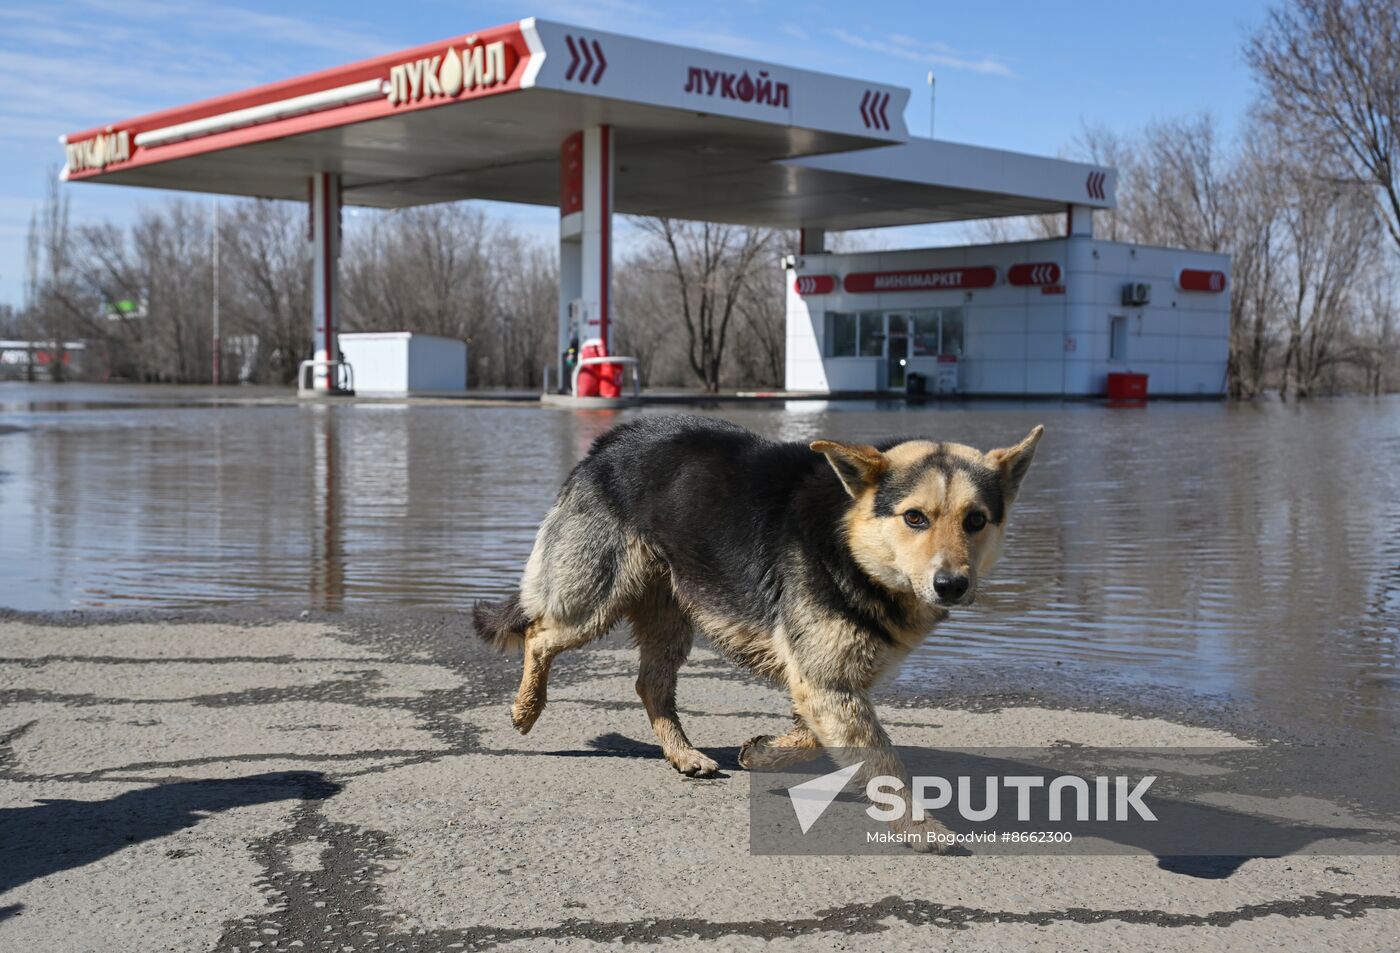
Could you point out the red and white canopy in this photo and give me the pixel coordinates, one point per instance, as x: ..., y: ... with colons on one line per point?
x: 699, y: 135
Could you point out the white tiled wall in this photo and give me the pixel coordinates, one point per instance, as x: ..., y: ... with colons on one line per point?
x: 1022, y: 341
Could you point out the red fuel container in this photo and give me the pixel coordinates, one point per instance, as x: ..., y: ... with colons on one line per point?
x: 1127, y: 386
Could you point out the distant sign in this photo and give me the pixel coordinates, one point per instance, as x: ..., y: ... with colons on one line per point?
x: 451, y: 73
x: 814, y: 284
x: 1195, y: 279
x: 123, y: 308
x: 928, y: 279
x: 1034, y: 273
x: 99, y: 151
x: 760, y: 88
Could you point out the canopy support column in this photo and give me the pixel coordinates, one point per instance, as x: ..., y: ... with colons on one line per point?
x: 586, y: 166
x: 325, y: 281
x: 1079, y: 221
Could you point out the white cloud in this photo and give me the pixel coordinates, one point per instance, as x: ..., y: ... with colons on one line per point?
x: 74, y: 65
x: 931, y: 54
x: 215, y: 20
x: 656, y: 22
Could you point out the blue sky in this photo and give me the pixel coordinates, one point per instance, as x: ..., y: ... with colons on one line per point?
x: 1021, y: 75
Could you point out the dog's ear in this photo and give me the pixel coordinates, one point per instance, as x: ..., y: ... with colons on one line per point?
x: 1013, y: 462
x: 859, y: 466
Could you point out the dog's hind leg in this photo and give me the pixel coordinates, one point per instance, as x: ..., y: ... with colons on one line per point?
x: 580, y: 577
x: 663, y: 636
x: 544, y: 640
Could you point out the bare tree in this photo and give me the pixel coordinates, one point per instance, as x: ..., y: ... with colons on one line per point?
x: 50, y: 302
x: 1257, y: 254
x: 449, y: 270
x: 266, y: 288
x: 1332, y: 234
x: 1181, y: 194
x: 1331, y: 72
x: 173, y: 244
x: 645, y: 327
x: 711, y: 268
x: 422, y: 269
x: 527, y: 308
x: 1377, y: 330
x: 763, y: 331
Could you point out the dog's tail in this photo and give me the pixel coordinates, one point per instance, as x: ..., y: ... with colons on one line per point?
x: 501, y: 625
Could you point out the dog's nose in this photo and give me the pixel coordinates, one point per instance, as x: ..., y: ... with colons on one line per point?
x: 950, y: 587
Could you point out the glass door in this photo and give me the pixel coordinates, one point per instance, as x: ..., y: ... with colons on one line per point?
x: 896, y: 349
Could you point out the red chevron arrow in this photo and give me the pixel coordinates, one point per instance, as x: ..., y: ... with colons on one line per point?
x: 587, y: 60
x: 586, y: 53
x: 573, y: 57
x: 1033, y: 273
x: 602, y: 63
x: 873, y: 106
x: 815, y: 284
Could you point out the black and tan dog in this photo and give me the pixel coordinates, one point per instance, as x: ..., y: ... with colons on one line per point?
x: 819, y: 580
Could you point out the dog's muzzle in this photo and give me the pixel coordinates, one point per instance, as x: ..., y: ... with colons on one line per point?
x: 951, y: 588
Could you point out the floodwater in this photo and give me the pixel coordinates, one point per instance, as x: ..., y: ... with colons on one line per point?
x: 1246, y: 553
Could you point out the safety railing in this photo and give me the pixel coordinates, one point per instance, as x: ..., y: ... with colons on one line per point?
x: 341, y: 374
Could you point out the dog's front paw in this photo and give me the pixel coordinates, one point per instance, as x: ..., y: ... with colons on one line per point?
x: 694, y: 764
x: 761, y: 752
x: 751, y: 751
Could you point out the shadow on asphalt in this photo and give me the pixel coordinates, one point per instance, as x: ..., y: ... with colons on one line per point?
x: 615, y: 745
x: 56, y: 835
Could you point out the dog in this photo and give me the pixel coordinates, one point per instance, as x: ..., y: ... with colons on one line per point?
x: 817, y: 566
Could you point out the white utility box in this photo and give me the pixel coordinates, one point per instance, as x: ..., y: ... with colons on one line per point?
x: 400, y: 362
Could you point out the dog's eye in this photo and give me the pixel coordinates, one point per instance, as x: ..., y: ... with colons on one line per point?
x: 915, y: 519
x: 974, y: 521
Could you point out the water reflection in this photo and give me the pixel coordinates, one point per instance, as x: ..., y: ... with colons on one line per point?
x: 1250, y: 552
x: 327, y: 589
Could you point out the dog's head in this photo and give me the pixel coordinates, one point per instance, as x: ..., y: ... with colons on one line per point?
x: 929, y: 517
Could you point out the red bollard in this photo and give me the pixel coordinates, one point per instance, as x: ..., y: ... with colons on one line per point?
x: 589, y: 376
x: 598, y: 380
x: 609, y: 380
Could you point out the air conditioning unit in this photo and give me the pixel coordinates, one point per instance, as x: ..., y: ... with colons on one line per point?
x: 1137, y: 292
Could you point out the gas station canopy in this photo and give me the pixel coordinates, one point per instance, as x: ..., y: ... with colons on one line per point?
x: 698, y: 135
x: 593, y: 123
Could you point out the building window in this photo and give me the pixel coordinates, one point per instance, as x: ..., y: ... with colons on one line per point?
x: 840, y: 334
x: 938, y: 331
x: 951, y: 338
x: 872, y: 334
x: 925, y: 333
x: 930, y: 332
x: 1118, y: 337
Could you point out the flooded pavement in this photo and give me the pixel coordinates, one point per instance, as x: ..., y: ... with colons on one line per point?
x: 1247, y: 554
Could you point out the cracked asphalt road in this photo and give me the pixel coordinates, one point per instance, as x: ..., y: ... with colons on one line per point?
x: 203, y: 783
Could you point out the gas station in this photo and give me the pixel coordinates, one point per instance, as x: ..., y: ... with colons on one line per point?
x: 594, y: 123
